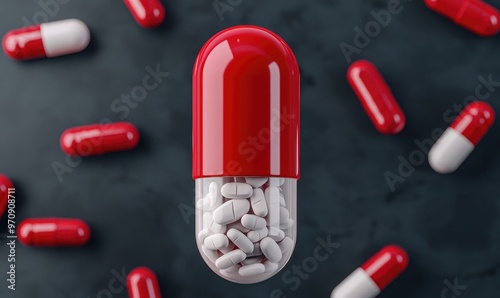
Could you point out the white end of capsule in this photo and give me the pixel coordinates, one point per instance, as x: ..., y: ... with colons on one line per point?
x: 449, y: 152
x: 64, y: 37
x: 358, y: 284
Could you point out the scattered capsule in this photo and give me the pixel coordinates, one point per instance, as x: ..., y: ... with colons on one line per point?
x: 147, y: 13
x: 376, y: 274
x: 51, y: 232
x: 98, y: 139
x: 5, y: 184
x: 143, y: 283
x: 376, y: 97
x: 47, y: 40
x: 474, y: 15
x: 460, y: 139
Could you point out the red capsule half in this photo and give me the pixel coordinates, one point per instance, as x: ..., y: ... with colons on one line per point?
x: 386, y: 265
x: 24, y: 43
x: 143, y: 283
x: 51, y: 232
x: 5, y: 184
x: 474, y: 15
x: 474, y: 121
x: 98, y: 139
x: 147, y: 13
x: 376, y: 97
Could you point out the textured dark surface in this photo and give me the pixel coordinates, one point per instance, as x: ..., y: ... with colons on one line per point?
x: 450, y: 225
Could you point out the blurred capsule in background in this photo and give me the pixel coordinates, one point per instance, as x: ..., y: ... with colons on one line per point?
x: 46, y: 40
x: 53, y: 232
x: 460, y: 139
x: 376, y: 274
x: 97, y: 139
x: 143, y: 283
x: 5, y: 184
x: 376, y: 97
x: 147, y: 13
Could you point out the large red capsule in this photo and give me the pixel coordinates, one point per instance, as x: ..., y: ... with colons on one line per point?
x: 376, y: 97
x: 474, y: 15
x: 52, y: 232
x: 147, y: 13
x: 5, y: 184
x: 142, y: 283
x: 98, y: 139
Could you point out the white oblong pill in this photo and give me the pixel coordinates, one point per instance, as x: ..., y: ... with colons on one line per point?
x: 287, y: 225
x: 286, y: 245
x: 253, y: 260
x: 209, y: 223
x: 240, y: 240
x: 214, y: 195
x: 253, y: 222
x: 230, y: 259
x: 227, y: 249
x: 259, y: 204
x: 204, y: 234
x: 272, y: 195
x: 276, y: 181
x: 276, y: 234
x: 231, y: 271
x: 271, y: 250
x: 64, y: 37
x: 238, y: 226
x: 252, y: 270
x: 256, y: 251
x: 255, y: 236
x: 284, y: 215
x: 236, y: 190
x: 256, y: 181
x: 212, y: 255
x: 216, y: 241
x: 270, y: 266
x: 231, y: 211
x: 282, y: 200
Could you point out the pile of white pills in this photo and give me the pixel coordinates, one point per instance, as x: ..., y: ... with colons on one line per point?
x: 245, y: 226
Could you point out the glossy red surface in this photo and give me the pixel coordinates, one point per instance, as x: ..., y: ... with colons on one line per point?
x: 376, y: 97
x: 474, y: 121
x: 474, y: 15
x: 5, y: 184
x: 142, y: 283
x: 24, y: 43
x: 52, y: 232
x: 147, y: 13
x: 386, y: 265
x: 98, y: 139
x: 246, y: 106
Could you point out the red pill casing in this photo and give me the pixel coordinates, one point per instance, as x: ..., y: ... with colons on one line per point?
x: 5, y: 184
x: 98, y: 139
x: 474, y: 15
x: 386, y: 265
x: 143, y: 283
x: 52, y: 232
x: 147, y: 13
x: 474, y: 121
x: 246, y: 106
x: 24, y: 43
x: 376, y: 97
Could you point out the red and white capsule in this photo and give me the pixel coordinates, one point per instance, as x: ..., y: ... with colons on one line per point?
x: 376, y: 274
x: 460, y: 139
x: 376, y: 97
x: 97, y: 139
x: 147, y: 13
x: 142, y: 283
x: 5, y: 184
x: 47, y: 40
x: 52, y: 232
x: 474, y: 15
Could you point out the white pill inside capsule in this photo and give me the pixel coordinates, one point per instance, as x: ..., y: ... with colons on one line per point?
x: 286, y: 245
x: 214, y: 196
x: 271, y: 250
x: 252, y: 270
x: 228, y: 248
x: 238, y: 226
x: 209, y: 223
x: 231, y: 271
x: 237, y: 190
x: 204, y: 234
x: 256, y: 181
x: 276, y: 234
x: 272, y: 195
x: 284, y: 215
x: 282, y: 200
x: 231, y: 211
x: 276, y: 181
x: 253, y: 222
x: 287, y: 225
x: 259, y: 204
x: 270, y: 266
x: 256, y: 251
x: 253, y: 260
x: 240, y: 240
x: 215, y: 242
x: 255, y: 236
x: 212, y: 255
x: 230, y: 259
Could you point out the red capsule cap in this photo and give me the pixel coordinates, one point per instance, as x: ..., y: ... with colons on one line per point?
x: 5, y: 184
x: 51, y: 232
x: 147, y: 13
x: 98, y: 139
x: 24, y: 43
x: 246, y: 106
x: 376, y: 97
x: 142, y: 283
x: 386, y: 265
x: 474, y: 121
x: 474, y: 15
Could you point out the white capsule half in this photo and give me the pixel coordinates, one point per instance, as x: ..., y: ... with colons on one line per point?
x: 64, y: 37
x: 449, y: 152
x: 358, y: 285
